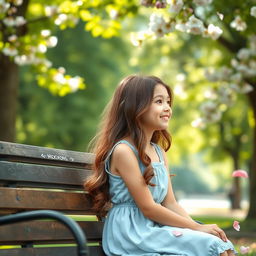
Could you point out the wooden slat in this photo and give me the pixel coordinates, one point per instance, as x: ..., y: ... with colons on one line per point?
x: 41, y: 232
x: 24, y: 199
x: 34, y: 154
x: 53, y: 251
x: 19, y: 172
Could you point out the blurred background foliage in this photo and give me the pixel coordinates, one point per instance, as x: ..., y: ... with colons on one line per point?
x: 198, y: 157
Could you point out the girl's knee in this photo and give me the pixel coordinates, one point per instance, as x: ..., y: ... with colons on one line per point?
x: 230, y: 253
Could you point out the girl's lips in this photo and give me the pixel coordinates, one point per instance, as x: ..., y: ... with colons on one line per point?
x: 166, y: 117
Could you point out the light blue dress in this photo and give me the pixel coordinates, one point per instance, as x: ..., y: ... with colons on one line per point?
x: 128, y: 232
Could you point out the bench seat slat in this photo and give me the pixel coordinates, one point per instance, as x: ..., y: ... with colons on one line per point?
x: 34, y: 154
x: 41, y: 232
x: 20, y: 172
x: 25, y: 199
x: 53, y: 251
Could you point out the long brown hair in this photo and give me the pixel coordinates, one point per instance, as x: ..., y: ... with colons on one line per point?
x: 121, y: 118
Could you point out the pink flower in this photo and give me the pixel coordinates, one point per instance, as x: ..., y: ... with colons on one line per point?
x: 240, y: 173
x: 244, y: 249
x: 236, y: 225
x: 177, y: 233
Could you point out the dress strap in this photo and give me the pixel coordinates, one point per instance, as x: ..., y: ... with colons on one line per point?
x: 158, y: 151
x: 107, y: 160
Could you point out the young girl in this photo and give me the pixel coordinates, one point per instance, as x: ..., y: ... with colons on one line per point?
x: 131, y: 175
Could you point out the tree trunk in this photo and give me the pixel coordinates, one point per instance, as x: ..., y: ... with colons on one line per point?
x: 236, y: 187
x: 252, y: 178
x: 8, y: 97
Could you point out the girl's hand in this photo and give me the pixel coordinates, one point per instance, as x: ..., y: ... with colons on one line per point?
x: 214, y: 230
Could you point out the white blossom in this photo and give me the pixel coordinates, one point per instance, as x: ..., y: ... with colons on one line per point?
x: 51, y: 10
x: 113, y: 14
x: 242, y: 68
x: 210, y: 111
x: 31, y: 59
x: 202, y: 2
x: 210, y: 94
x: 20, y: 60
x: 17, y: 2
x: 74, y: 83
x: 4, y: 6
x: 157, y: 24
x: 42, y: 48
x: 217, y: 75
x: 12, y: 38
x: 225, y: 72
x: 213, y: 117
x: 46, y: 63
x: 181, y: 27
x: 253, y: 11
x: 214, y: 32
x: 225, y: 95
x: 234, y: 63
x: 168, y: 27
x: 8, y: 51
x: 61, y: 19
x: 244, y: 54
x: 245, y: 88
x: 52, y: 41
x: 238, y: 24
x: 62, y: 70
x: 79, y: 3
x: 241, y: 88
x: 179, y: 90
x: 59, y: 78
x: 176, y: 6
x: 181, y: 77
x: 20, y: 21
x: 208, y: 106
x: 194, y: 25
x: 211, y: 75
x: 45, y: 32
x: 17, y: 21
x: 237, y: 77
x: 198, y: 123
x: 220, y: 15
x: 9, y: 21
x: 138, y: 38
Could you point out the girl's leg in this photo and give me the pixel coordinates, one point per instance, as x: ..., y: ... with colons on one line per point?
x: 227, y: 253
x: 230, y: 253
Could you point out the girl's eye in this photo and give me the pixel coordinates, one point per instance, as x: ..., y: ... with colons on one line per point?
x: 159, y: 101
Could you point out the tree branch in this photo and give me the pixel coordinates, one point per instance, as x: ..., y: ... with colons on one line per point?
x: 222, y: 40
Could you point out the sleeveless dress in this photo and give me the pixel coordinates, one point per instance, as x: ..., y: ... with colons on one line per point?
x: 128, y: 232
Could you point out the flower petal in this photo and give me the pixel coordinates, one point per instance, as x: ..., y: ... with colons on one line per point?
x: 240, y: 173
x: 177, y: 233
x: 236, y: 225
x: 244, y: 249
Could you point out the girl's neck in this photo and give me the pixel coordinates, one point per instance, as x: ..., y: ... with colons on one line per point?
x: 148, y: 139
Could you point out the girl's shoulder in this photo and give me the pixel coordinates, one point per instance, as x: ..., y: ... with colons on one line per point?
x: 122, y: 149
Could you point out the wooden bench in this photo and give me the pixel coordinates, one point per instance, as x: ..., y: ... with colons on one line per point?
x: 39, y: 178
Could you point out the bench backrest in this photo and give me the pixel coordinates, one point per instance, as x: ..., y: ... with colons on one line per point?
x: 33, y: 178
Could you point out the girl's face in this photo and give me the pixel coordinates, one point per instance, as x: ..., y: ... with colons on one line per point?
x: 159, y: 112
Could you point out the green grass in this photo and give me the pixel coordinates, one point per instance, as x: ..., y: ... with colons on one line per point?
x: 222, y: 222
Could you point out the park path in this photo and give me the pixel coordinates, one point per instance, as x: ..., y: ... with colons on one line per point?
x: 212, y: 206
